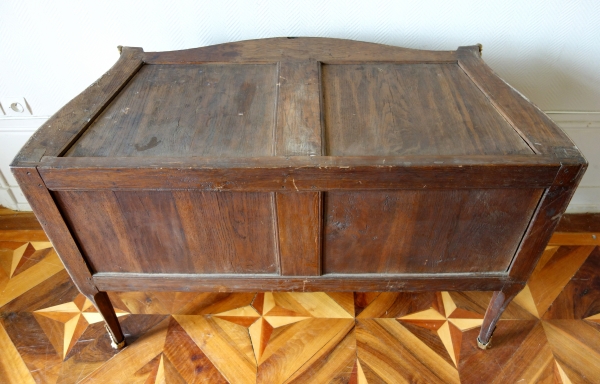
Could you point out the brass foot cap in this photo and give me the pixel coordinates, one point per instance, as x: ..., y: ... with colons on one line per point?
x: 117, y: 346
x: 483, y: 346
x: 113, y: 341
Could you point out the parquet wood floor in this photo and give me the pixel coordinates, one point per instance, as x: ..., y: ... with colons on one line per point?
x: 49, y: 333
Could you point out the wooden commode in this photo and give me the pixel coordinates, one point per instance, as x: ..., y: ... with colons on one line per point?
x: 299, y: 164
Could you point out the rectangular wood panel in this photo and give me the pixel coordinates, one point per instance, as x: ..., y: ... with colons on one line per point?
x: 405, y: 109
x: 187, y: 110
x: 429, y: 231
x: 172, y: 231
x: 299, y: 109
x: 299, y: 220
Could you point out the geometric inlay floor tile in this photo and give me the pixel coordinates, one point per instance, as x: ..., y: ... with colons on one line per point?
x: 49, y: 333
x: 65, y: 323
x: 444, y: 320
x: 576, y: 348
x: 40, y: 260
x: 406, y: 358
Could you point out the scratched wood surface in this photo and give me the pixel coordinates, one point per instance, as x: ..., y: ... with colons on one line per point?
x: 50, y: 333
x: 424, y: 109
x: 200, y: 110
x: 432, y: 231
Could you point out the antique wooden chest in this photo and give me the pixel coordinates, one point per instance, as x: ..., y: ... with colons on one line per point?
x: 299, y: 164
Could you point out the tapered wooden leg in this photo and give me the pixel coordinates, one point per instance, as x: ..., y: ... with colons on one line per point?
x: 499, y: 302
x: 111, y: 322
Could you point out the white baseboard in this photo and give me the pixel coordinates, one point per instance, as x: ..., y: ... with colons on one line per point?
x: 582, y: 127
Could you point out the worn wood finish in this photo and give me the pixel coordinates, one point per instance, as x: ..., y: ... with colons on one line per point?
x: 66, y: 125
x: 498, y: 303
x: 534, y: 126
x: 299, y: 218
x: 304, y: 48
x: 166, y: 232
x: 424, y: 231
x: 411, y: 109
x: 551, y: 208
x: 298, y: 130
x: 102, y: 303
x: 328, y: 282
x: 208, y: 169
x: 182, y: 111
x: 53, y: 223
x: 299, y: 173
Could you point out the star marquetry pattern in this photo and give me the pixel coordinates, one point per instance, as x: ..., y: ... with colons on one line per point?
x: 269, y: 312
x: 447, y: 321
x: 549, y: 333
x: 23, y: 265
x: 65, y: 323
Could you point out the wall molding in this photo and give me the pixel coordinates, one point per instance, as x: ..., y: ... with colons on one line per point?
x: 22, y: 124
x: 582, y: 127
x: 575, y: 120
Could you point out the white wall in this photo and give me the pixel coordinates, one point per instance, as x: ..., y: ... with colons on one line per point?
x: 549, y: 50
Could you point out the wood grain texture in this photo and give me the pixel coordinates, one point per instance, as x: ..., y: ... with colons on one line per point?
x: 187, y: 110
x: 178, y: 167
x: 226, y: 343
x: 12, y: 367
x: 302, y: 340
x: 18, y: 235
x: 500, y: 300
x: 419, y: 231
x: 540, y: 132
x: 532, y: 362
x: 576, y: 347
x: 579, y: 222
x: 551, y: 276
x: 571, y: 238
x: 300, y: 173
x: 398, y: 336
x: 409, y: 361
x: 580, y: 298
x: 45, y: 209
x: 425, y: 109
x: 167, y: 231
x: 299, y: 218
x: 66, y: 125
x: 102, y: 303
x: 298, y: 48
x: 298, y: 131
x: 552, y: 205
x: 12, y: 221
x: 330, y: 282
x: 188, y: 359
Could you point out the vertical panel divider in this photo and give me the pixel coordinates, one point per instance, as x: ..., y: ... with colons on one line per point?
x: 299, y: 132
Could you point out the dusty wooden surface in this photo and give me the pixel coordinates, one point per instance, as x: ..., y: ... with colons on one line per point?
x: 180, y: 163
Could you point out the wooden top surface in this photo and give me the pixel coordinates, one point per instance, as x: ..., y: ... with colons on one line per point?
x: 298, y: 97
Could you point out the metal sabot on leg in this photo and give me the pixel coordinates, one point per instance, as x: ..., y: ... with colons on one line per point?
x: 485, y: 346
x: 113, y: 342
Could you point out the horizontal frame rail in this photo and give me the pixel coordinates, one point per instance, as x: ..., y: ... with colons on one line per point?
x: 299, y: 173
x: 330, y: 282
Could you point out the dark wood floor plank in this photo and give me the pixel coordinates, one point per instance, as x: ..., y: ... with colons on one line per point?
x: 581, y: 296
x: 576, y: 347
